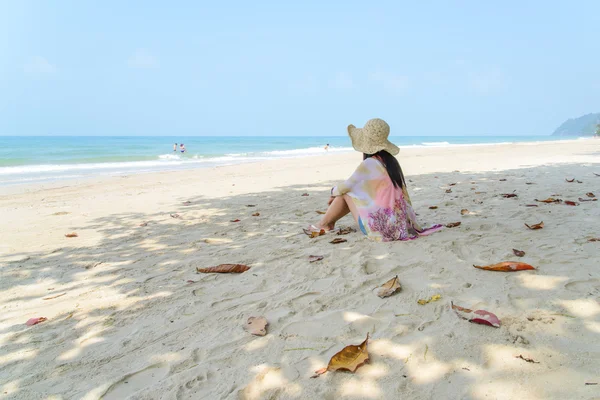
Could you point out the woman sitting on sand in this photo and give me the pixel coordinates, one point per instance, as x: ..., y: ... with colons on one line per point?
x: 376, y: 192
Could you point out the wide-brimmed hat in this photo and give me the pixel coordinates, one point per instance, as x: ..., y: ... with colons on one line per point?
x: 372, y: 138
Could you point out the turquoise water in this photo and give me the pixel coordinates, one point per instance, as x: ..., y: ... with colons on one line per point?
x: 32, y: 159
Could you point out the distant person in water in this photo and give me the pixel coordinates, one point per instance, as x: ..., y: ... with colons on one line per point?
x: 326, y: 147
x: 182, y: 148
x: 175, y: 148
x: 376, y: 194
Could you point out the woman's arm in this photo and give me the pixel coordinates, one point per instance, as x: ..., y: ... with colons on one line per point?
x: 366, y: 170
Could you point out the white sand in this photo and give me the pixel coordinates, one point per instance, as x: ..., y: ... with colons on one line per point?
x: 129, y: 324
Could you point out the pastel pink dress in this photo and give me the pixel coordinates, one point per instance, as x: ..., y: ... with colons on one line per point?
x: 385, y: 211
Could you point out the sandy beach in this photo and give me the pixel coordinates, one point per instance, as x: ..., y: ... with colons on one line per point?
x: 129, y: 317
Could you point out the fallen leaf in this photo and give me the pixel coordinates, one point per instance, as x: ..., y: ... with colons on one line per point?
x: 591, y: 383
x: 518, y: 253
x: 144, y: 224
x: 503, y: 180
x: 590, y: 194
x: 175, y: 216
x: 433, y: 208
x: 535, y: 226
x: 580, y: 199
x: 256, y: 326
x: 594, y: 240
x: 190, y: 281
x: 549, y: 200
x: 345, y: 231
x: 578, y: 181
x: 71, y: 235
x: 571, y: 203
x: 313, y: 234
x: 464, y: 211
x: 572, y: 180
x: 305, y: 194
x: 477, y: 317
x: 320, y: 212
x: 448, y: 190
x: 54, y: 297
x: 338, y: 240
x: 529, y: 183
x: 389, y: 288
x: 433, y: 298
x: 256, y: 214
x: 313, y: 259
x: 35, y: 321
x: 225, y: 269
x: 235, y: 220
x: 508, y: 195
x: 453, y: 224
x: 250, y: 205
x: 506, y: 266
x: 531, y: 205
x: 187, y: 203
x: 451, y: 184
x: 348, y: 359
x: 529, y: 360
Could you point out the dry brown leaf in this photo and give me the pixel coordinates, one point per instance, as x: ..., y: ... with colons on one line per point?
x: 506, y: 266
x: 305, y: 194
x: 338, y: 240
x: 256, y: 214
x: 144, y: 224
x: 320, y: 212
x: 594, y: 240
x: 312, y: 233
x: 503, y: 180
x: 529, y: 360
x: 508, y: 195
x: 452, y: 184
x: 531, y: 205
x: 345, y: 231
x: 477, y: 317
x: 529, y: 183
x: 453, y: 224
x: 225, y: 269
x: 464, y: 211
x: 313, y: 259
x: 590, y: 194
x: 250, y: 205
x: 570, y: 180
x: 448, y: 190
x: 256, y: 326
x: 35, y: 321
x: 348, y: 359
x: 54, y: 297
x: 571, y: 203
x: 594, y: 199
x: 433, y: 208
x: 71, y: 235
x: 389, y: 288
x: 549, y: 200
x: 535, y: 226
x: 235, y: 220
x: 518, y: 253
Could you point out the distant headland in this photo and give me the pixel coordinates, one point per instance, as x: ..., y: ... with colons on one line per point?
x: 586, y: 125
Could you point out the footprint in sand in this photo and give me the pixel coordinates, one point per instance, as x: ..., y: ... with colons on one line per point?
x: 136, y: 381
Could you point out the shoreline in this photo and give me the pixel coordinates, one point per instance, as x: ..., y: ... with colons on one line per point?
x: 52, y: 182
x: 129, y: 316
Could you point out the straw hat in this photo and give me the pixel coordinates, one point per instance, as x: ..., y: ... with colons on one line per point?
x: 372, y: 138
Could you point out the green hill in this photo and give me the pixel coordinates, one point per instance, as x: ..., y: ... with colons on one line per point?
x: 582, y: 126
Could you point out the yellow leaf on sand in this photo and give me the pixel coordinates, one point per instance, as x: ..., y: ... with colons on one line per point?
x: 348, y: 359
x: 433, y: 298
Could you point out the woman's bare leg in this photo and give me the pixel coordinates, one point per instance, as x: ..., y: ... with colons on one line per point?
x: 340, y: 207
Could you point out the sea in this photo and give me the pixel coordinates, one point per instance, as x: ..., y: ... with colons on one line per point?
x: 32, y: 159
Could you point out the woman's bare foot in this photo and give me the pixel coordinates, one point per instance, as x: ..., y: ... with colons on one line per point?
x: 325, y: 226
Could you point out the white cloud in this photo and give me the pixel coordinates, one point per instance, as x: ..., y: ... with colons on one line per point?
x: 342, y: 80
x: 142, y: 59
x: 39, y: 66
x: 392, y: 82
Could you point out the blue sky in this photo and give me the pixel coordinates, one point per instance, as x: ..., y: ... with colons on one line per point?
x: 296, y: 68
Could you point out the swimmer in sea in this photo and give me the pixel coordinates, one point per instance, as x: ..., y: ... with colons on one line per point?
x: 182, y: 148
x: 175, y: 148
x: 326, y: 147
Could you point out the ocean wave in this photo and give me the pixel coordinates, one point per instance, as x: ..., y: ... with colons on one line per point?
x: 435, y: 144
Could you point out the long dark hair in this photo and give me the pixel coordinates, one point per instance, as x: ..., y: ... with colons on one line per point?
x: 391, y: 166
